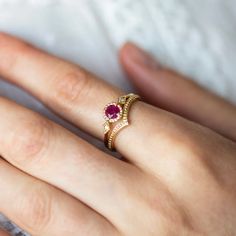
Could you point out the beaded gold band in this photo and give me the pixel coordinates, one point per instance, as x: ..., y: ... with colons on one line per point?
x: 116, y: 116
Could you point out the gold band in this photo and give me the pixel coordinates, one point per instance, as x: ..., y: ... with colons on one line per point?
x: 117, y: 112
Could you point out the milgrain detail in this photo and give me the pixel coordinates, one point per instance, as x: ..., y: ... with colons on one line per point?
x: 123, y: 123
x: 114, y: 132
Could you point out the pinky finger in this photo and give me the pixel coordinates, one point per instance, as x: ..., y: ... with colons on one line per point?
x: 44, y: 210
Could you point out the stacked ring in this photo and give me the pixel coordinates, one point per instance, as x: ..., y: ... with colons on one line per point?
x: 116, y: 118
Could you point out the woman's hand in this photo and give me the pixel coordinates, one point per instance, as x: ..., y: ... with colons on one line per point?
x: 179, y: 177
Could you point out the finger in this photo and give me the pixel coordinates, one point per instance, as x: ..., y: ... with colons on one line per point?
x: 173, y: 92
x: 53, y: 154
x: 3, y: 233
x: 44, y: 210
x: 80, y: 97
x: 69, y: 90
x: 73, y: 93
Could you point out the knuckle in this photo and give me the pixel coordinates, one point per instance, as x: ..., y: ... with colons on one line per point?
x: 30, y: 140
x: 35, y: 208
x: 184, y: 139
x: 193, y: 158
x: 165, y: 208
x: 70, y: 89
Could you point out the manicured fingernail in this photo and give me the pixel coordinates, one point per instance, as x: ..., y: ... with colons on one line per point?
x: 141, y: 57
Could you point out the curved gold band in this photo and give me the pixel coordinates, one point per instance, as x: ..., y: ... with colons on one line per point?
x: 110, y: 131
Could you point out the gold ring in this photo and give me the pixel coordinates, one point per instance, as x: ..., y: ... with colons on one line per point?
x: 116, y: 118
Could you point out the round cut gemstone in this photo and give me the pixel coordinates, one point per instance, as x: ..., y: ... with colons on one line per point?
x: 113, y: 111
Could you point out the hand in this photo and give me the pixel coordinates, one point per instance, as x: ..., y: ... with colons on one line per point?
x: 179, y: 177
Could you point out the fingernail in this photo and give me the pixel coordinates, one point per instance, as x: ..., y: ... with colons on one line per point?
x: 141, y: 57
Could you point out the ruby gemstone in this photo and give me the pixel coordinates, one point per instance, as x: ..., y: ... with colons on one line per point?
x: 112, y: 111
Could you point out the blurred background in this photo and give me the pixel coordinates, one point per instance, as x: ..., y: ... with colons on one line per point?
x: 197, y: 38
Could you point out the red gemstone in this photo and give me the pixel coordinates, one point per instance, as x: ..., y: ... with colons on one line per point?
x: 112, y: 111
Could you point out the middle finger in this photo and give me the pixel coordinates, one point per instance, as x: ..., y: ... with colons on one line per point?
x: 80, y: 97
x: 53, y: 154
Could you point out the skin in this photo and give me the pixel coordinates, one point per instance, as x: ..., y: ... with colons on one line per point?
x: 179, y: 173
x: 3, y: 233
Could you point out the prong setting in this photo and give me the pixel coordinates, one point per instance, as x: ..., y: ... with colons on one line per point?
x: 112, y: 112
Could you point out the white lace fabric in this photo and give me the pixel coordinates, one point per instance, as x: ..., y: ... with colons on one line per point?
x: 196, y: 38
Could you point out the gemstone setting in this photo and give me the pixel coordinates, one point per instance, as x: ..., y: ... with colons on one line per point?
x: 112, y: 112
